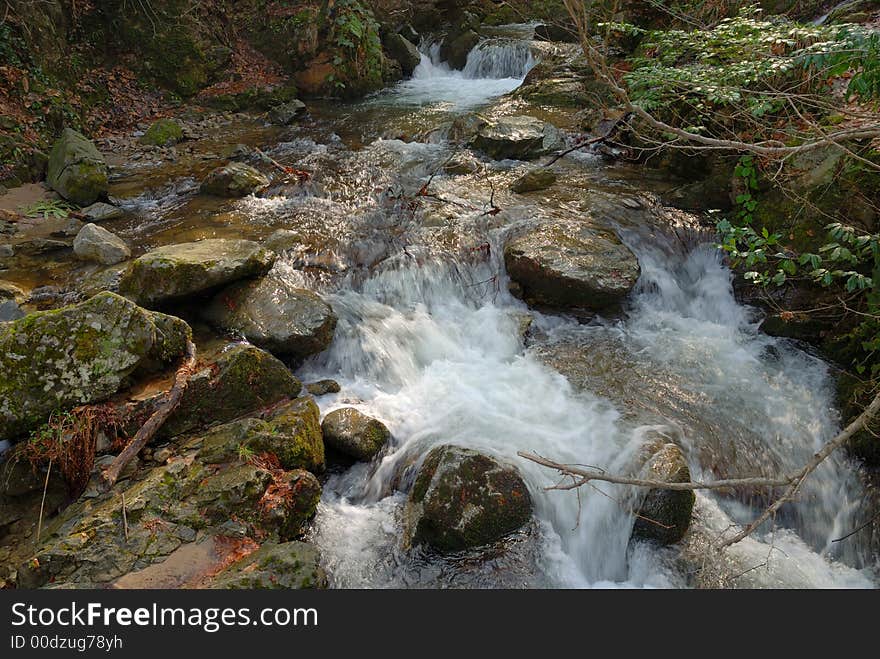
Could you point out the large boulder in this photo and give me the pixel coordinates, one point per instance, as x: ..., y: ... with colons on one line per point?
x: 455, y: 49
x: 163, y: 132
x: 94, y: 243
x: 291, y: 565
x: 518, y: 137
x: 664, y: 515
x: 52, y: 360
x: 404, y: 51
x: 176, y: 271
x: 234, y: 180
x: 354, y: 434
x: 462, y: 498
x: 77, y: 170
x: 275, y: 315
x: 571, y: 264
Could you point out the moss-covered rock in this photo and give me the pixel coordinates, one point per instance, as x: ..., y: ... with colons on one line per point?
x: 404, y: 51
x: 176, y: 271
x: 292, y: 502
x: 323, y: 387
x: 517, y: 137
x: 290, y: 565
x: 354, y: 434
x: 273, y: 314
x: 163, y: 132
x: 664, y: 515
x: 455, y: 48
x: 77, y: 170
x: 234, y: 180
x: 464, y: 499
x: 51, y: 360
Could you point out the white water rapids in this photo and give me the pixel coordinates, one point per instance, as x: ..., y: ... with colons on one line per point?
x: 433, y: 346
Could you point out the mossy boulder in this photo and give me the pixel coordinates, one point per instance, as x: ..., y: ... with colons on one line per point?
x: 176, y: 271
x: 51, y: 360
x: 323, y: 387
x: 354, y: 434
x: 291, y: 565
x: 404, y: 51
x: 664, y: 515
x: 163, y: 132
x: 292, y: 502
x: 462, y: 499
x: 77, y: 170
x: 234, y: 180
x: 573, y: 264
x: 275, y: 315
x: 517, y: 137
x: 533, y: 181
x: 292, y: 433
x: 455, y: 48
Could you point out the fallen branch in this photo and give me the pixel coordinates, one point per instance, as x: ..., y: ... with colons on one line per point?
x: 623, y: 120
x: 792, y: 481
x: 146, y: 432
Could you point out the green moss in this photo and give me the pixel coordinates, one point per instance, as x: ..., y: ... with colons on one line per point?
x: 163, y: 132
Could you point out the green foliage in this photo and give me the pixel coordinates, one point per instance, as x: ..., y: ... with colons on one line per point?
x: 47, y: 208
x: 355, y: 35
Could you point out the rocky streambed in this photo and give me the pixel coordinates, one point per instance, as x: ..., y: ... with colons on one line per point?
x: 388, y: 300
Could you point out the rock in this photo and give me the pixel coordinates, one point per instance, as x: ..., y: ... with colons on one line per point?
x: 9, y: 291
x: 285, y: 113
x: 273, y: 314
x: 671, y: 509
x: 291, y: 565
x: 94, y: 243
x: 354, y: 434
x: 243, y: 380
x: 292, y: 503
x: 404, y: 51
x: 54, y: 360
x: 456, y: 50
x: 101, y: 212
x: 556, y: 33
x: 235, y: 152
x: 323, y: 387
x: 292, y: 434
x: 518, y: 137
x: 282, y: 240
x: 163, y: 132
x: 9, y: 310
x: 176, y: 271
x: 533, y: 181
x: 77, y: 171
x: 571, y: 264
x: 234, y: 180
x: 462, y: 499
x: 460, y: 166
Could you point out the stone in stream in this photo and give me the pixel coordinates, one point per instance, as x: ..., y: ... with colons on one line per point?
x: 354, y: 434
x: 101, y: 212
x: 77, y: 170
x: 664, y: 515
x: 176, y: 271
x: 163, y: 132
x: 54, y: 360
x: 571, y: 264
x: 323, y: 387
x: 533, y: 181
x: 94, y: 243
x: 462, y: 499
x: 275, y: 315
x: 404, y: 51
x: 518, y: 137
x: 455, y: 48
x: 285, y: 113
x: 234, y: 180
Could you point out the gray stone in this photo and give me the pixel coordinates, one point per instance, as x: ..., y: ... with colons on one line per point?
x: 518, y: 137
x: 94, y: 243
x: 354, y: 434
x: 77, y: 170
x: 101, y: 212
x: 285, y: 113
x: 234, y: 180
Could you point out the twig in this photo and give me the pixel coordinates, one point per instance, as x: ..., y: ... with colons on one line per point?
x: 43, y: 503
x: 124, y: 518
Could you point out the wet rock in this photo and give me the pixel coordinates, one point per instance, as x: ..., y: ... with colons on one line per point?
x: 404, y: 51
x: 285, y: 113
x: 571, y: 264
x: 9, y: 310
x: 105, y: 279
x: 282, y: 240
x: 290, y: 565
x: 164, y: 132
x: 101, y: 212
x: 292, y: 433
x: 354, y: 434
x: 291, y: 502
x: 53, y: 360
x: 9, y: 291
x: 669, y: 511
x: 323, y: 387
x: 461, y: 166
x: 77, y: 171
x: 176, y: 271
x: 462, y: 498
x: 275, y: 315
x: 455, y: 50
x: 234, y: 180
x: 519, y: 138
x: 533, y: 181
x: 94, y: 243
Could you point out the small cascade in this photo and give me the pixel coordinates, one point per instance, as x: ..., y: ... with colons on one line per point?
x: 499, y: 58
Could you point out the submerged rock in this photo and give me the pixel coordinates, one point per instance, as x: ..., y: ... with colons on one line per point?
x: 571, y: 264
x: 354, y: 434
x: 519, y: 137
x: 533, y: 181
x: 286, y: 566
x: 234, y: 180
x: 285, y: 113
x: 462, y: 498
x: 273, y: 314
x: 77, y: 170
x: 176, y: 271
x: 54, y: 360
x: 94, y: 243
x: 664, y: 515
x: 101, y: 212
x: 163, y: 132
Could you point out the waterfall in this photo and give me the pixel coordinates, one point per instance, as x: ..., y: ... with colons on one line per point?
x: 499, y: 58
